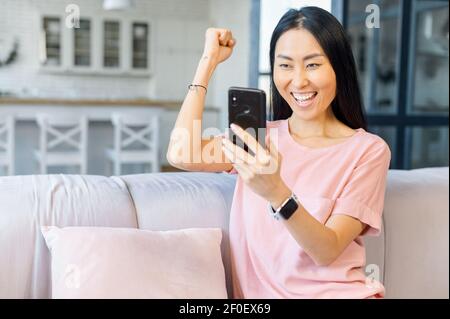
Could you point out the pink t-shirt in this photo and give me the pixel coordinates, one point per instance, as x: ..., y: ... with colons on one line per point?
x: 347, y: 178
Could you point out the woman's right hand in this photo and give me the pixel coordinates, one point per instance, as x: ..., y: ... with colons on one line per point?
x: 219, y: 44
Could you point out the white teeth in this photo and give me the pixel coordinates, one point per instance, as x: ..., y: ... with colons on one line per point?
x: 303, y: 97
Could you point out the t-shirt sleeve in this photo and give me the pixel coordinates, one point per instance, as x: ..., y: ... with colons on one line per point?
x: 363, y: 195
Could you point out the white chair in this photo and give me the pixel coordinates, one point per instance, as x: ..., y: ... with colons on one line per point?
x: 139, y: 131
x: 63, y: 142
x: 7, y: 144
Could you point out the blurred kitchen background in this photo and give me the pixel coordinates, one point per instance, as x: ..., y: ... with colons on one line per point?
x: 125, y: 60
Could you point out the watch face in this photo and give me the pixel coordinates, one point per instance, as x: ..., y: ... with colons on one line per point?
x: 289, y: 208
x: 286, y: 211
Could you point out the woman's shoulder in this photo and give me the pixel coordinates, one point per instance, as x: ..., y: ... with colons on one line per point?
x: 373, y: 139
x: 374, y: 144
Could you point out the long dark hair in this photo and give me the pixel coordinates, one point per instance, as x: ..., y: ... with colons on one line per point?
x: 329, y: 33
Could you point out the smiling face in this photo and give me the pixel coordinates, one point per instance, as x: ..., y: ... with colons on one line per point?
x: 303, y: 74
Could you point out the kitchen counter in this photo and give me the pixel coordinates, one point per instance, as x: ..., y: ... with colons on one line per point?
x: 133, y: 102
x: 95, y: 102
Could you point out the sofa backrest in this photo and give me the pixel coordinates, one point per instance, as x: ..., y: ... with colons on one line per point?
x: 411, y: 253
x: 416, y: 233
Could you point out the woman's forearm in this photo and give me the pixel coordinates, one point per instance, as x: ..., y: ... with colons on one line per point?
x: 316, y: 239
x: 187, y: 132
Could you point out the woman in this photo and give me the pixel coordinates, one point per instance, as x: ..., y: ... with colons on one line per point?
x: 328, y: 182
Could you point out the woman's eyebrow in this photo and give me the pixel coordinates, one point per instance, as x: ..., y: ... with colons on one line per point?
x: 281, y: 56
x: 307, y: 57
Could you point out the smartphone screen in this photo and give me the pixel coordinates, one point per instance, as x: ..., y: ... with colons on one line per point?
x: 247, y: 108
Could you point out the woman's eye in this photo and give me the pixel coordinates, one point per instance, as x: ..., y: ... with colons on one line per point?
x: 283, y: 66
x: 312, y: 66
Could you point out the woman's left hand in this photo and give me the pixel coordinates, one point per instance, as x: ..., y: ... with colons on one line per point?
x: 260, y: 172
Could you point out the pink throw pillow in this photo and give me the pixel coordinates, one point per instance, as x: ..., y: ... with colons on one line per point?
x: 102, y: 262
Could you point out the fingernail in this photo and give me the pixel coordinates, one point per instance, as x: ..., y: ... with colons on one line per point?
x: 233, y: 126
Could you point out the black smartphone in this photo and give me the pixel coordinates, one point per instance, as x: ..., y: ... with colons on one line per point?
x: 247, y: 108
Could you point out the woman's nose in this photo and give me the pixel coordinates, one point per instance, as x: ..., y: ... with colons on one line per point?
x: 300, y: 79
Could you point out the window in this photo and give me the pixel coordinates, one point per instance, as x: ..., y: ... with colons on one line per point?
x: 376, y: 54
x: 82, y: 43
x: 111, y: 44
x: 140, y: 45
x: 52, y: 41
x: 403, y: 69
x: 430, y: 60
x: 428, y: 146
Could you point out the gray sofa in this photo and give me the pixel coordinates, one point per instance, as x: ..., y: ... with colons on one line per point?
x: 411, y: 254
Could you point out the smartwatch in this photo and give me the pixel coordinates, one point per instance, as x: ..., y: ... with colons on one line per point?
x: 286, y: 209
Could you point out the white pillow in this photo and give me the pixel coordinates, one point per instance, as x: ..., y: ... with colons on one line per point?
x: 101, y: 262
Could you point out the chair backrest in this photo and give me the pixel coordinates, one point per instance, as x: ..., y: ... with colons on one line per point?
x: 135, y: 129
x: 63, y: 130
x: 7, y: 137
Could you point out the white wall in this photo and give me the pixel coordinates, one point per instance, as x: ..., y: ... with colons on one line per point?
x: 178, y: 38
x: 233, y: 15
x: 178, y: 35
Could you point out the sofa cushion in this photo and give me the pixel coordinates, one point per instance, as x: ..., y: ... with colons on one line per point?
x: 101, y: 262
x: 167, y: 201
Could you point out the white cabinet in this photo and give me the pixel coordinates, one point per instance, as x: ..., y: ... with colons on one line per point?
x: 96, y: 45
